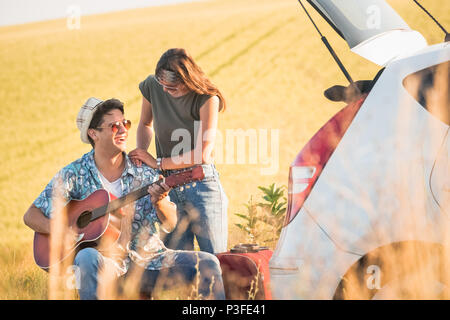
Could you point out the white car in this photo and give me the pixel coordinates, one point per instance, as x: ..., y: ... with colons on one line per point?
x: 369, y: 195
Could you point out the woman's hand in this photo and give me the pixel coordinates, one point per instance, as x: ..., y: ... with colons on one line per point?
x: 138, y: 156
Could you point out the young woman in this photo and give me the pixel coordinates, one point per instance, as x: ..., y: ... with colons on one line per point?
x: 182, y: 105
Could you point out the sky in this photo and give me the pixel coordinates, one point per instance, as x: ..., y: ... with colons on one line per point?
x: 23, y: 11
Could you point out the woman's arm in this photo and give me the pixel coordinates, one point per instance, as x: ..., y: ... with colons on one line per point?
x: 145, y: 130
x: 144, y: 137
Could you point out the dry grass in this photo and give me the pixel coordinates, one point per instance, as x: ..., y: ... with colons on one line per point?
x: 263, y: 54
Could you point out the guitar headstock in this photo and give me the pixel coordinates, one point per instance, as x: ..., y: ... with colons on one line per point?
x: 188, y: 176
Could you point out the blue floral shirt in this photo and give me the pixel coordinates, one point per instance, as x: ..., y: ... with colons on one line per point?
x: 79, y: 179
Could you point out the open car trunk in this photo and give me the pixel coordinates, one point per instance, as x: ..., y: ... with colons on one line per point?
x: 371, y: 28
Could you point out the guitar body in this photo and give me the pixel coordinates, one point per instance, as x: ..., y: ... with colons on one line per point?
x: 87, y: 235
x: 97, y: 217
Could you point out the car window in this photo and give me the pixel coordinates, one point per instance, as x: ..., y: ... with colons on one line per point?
x: 430, y: 87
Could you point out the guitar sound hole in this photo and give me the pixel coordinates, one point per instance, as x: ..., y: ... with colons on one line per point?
x: 84, y: 219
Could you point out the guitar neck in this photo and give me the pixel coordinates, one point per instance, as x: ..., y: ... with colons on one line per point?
x: 118, y: 203
x: 181, y: 178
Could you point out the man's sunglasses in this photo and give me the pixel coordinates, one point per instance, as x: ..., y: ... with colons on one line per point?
x: 116, y: 125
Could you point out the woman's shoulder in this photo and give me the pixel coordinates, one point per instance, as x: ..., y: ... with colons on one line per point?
x: 146, y: 86
x: 202, y: 98
x: 206, y: 99
x: 212, y: 99
x: 150, y: 80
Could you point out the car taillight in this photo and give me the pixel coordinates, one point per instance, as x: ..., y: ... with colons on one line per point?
x: 309, y: 163
x: 301, y: 177
x: 301, y: 180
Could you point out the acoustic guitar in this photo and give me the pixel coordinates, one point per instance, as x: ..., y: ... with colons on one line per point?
x: 92, y: 218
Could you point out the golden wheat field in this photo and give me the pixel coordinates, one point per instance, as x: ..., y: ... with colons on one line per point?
x: 264, y: 55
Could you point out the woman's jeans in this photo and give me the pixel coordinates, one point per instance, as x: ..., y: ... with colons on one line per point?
x: 202, y: 212
x: 189, y: 266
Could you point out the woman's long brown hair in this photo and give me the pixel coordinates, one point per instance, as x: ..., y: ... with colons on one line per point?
x: 178, y: 60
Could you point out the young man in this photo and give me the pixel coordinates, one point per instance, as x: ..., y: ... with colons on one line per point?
x: 107, y: 166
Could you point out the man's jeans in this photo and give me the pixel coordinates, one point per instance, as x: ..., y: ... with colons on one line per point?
x: 202, y: 211
x: 189, y: 265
